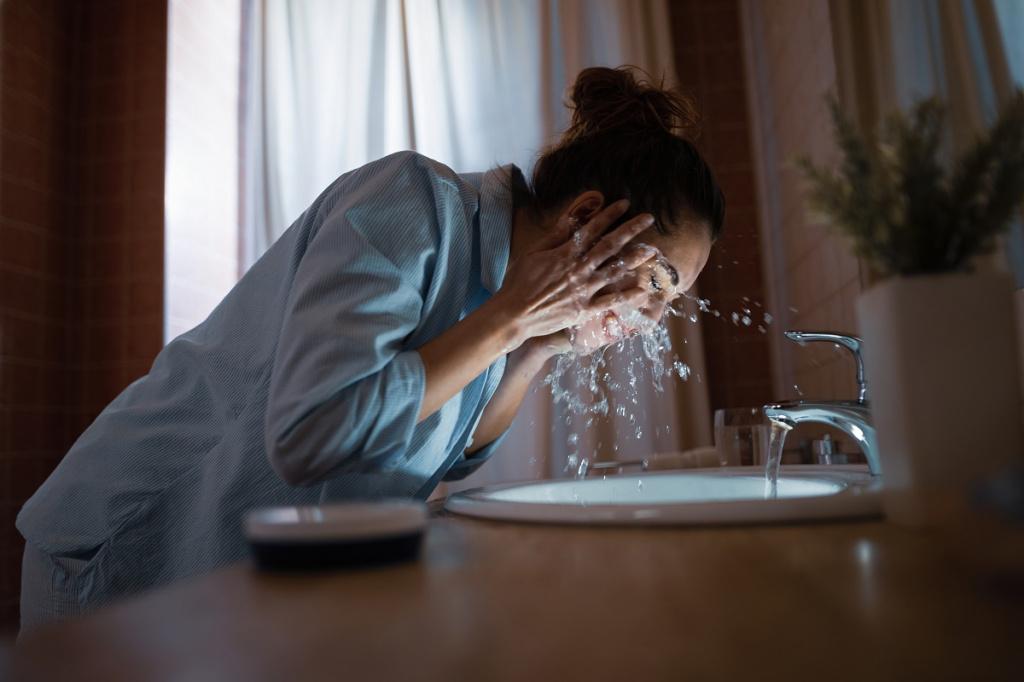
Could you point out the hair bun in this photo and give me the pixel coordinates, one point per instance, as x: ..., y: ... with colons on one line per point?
x: 603, y: 99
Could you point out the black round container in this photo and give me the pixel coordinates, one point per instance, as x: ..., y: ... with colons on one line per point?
x: 336, y: 536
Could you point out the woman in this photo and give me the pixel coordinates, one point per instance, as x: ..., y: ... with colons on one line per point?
x: 382, y: 344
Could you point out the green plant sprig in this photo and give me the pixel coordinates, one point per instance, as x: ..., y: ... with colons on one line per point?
x: 904, y: 210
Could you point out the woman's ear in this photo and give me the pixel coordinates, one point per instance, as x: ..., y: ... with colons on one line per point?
x: 586, y: 206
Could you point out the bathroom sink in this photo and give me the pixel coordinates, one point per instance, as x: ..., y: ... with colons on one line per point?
x: 689, y: 497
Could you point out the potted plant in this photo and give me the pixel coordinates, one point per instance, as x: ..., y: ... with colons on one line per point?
x: 938, y: 327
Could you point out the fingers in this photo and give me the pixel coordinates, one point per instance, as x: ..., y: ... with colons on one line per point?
x: 652, y: 314
x: 596, y: 226
x: 628, y: 261
x: 655, y: 312
x: 613, y: 242
x: 569, y: 234
x: 560, y: 235
x: 633, y: 297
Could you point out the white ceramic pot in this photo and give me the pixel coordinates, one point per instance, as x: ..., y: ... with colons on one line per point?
x: 1018, y: 300
x: 941, y: 358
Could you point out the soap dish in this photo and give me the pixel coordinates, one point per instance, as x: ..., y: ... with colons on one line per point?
x: 336, y: 535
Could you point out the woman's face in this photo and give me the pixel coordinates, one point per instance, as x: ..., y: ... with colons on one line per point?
x: 682, y: 255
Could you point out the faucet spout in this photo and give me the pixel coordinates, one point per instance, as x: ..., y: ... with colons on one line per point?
x: 851, y: 417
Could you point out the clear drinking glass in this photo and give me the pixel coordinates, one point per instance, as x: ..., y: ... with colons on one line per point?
x: 741, y: 436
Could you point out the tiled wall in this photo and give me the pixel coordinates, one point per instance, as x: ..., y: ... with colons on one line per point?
x: 32, y: 269
x: 811, y: 276
x: 82, y: 108
x: 119, y: 137
x: 202, y: 159
x: 710, y: 67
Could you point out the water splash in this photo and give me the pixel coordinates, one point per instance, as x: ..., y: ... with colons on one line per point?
x: 745, y: 315
x: 582, y: 386
x: 681, y: 369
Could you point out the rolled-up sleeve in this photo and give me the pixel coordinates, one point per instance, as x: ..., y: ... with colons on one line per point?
x: 467, y: 464
x: 345, y: 393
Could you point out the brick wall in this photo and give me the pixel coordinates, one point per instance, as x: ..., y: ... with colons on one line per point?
x: 82, y: 116
x: 710, y: 67
x: 812, y: 277
x: 32, y: 269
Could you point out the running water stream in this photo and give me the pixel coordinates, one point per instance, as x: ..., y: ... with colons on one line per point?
x: 774, y: 460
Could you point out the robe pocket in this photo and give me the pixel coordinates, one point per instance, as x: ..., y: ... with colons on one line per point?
x: 73, y: 580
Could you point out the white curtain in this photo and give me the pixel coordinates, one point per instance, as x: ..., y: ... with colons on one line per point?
x: 891, y: 52
x: 329, y: 86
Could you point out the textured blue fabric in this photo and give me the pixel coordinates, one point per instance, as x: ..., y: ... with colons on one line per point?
x: 302, y: 386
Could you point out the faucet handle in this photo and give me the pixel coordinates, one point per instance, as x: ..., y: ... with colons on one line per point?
x: 847, y: 341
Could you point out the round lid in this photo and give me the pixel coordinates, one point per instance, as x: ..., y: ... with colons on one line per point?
x: 336, y: 522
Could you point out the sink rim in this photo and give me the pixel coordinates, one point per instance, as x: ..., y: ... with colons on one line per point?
x: 859, y: 497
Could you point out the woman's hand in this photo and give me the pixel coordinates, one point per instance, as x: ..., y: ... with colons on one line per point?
x: 621, y: 322
x: 564, y: 281
x: 558, y: 285
x: 546, y: 347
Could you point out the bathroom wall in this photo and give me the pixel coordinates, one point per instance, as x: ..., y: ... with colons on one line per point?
x: 812, y: 279
x: 202, y: 159
x: 32, y: 269
x: 82, y: 109
x: 82, y: 129
x: 710, y: 67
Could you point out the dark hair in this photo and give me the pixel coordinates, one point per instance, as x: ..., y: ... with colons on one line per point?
x: 628, y: 139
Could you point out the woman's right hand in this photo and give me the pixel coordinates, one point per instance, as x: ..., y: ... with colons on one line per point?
x: 556, y: 286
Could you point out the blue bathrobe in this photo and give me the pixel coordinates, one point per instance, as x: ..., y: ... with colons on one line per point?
x: 302, y: 386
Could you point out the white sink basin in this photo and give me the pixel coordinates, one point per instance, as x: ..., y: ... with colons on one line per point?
x: 698, y: 496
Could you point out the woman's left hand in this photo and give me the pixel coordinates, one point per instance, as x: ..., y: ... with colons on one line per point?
x: 549, y: 346
x: 613, y: 325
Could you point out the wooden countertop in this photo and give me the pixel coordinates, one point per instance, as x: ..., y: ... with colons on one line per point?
x: 493, y: 601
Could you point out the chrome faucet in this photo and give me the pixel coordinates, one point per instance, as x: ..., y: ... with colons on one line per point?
x: 852, y: 417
